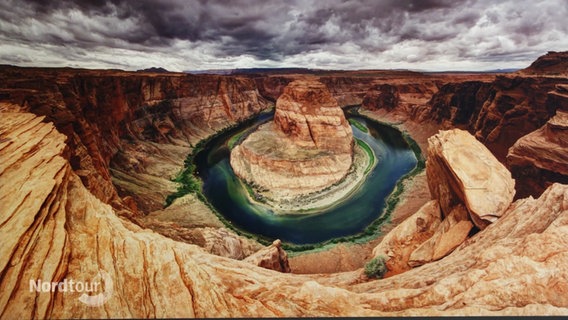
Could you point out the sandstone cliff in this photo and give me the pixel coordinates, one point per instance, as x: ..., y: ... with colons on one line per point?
x: 515, y: 266
x: 499, y: 113
x: 106, y: 114
x: 128, y: 134
x: 541, y: 157
x: 459, y: 103
x: 307, y: 148
x: 383, y: 96
x: 308, y: 114
x: 552, y: 63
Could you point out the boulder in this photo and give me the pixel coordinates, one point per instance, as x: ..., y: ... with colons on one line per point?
x: 451, y: 232
x: 462, y: 170
x: 401, y: 241
x: 272, y: 257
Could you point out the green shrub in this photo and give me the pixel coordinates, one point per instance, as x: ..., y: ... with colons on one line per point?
x: 376, y: 268
x: 358, y: 125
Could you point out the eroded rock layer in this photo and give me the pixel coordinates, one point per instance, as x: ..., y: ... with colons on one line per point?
x: 469, y: 188
x: 129, y: 133
x: 58, y: 223
x: 516, y: 266
x: 307, y: 148
x: 541, y: 157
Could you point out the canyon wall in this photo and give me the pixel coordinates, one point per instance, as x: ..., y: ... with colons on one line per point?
x: 501, y: 111
x: 552, y: 63
x: 515, y: 266
x: 103, y: 113
x: 498, y: 112
x: 350, y: 88
x: 129, y: 133
x: 541, y: 157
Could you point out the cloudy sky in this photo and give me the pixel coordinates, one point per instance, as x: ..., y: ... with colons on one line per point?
x: 193, y: 35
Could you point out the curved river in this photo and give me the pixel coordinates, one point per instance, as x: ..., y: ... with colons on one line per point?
x: 348, y: 217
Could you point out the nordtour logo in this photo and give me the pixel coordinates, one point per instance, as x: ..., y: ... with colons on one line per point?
x: 94, y: 293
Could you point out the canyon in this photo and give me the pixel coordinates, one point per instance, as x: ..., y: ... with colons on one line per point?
x: 89, y: 157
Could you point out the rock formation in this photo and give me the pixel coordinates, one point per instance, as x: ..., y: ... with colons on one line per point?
x: 459, y: 103
x: 462, y: 171
x: 80, y: 149
x: 500, y: 111
x: 307, y: 148
x: 383, y: 96
x: 451, y: 232
x: 552, y: 63
x: 308, y: 115
x: 469, y: 187
x: 404, y: 239
x: 272, y: 257
x: 516, y: 266
x: 129, y: 132
x: 541, y: 157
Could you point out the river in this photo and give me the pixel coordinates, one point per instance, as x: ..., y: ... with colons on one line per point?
x: 348, y: 217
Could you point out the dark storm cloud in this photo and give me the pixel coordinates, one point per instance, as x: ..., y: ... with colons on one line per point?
x: 283, y: 31
x: 253, y: 27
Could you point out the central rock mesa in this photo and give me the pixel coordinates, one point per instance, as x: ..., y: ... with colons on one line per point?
x: 307, y: 148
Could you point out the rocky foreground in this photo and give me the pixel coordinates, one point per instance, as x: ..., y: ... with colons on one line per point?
x: 307, y: 148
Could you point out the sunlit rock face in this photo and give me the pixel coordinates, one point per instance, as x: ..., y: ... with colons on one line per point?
x: 308, y: 115
x: 462, y: 171
x: 307, y: 148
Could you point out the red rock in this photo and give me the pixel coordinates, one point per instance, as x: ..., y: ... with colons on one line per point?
x: 540, y: 158
x: 308, y: 115
x: 552, y: 63
x: 383, y: 96
x: 307, y: 148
